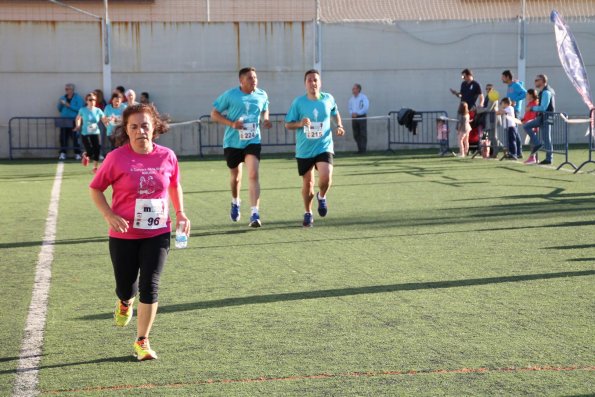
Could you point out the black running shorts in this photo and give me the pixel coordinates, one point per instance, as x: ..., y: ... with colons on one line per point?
x: 234, y: 157
x: 305, y: 165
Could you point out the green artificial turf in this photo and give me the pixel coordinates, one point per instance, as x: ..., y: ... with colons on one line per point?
x: 429, y: 276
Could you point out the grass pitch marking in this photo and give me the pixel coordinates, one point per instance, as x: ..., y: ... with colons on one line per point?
x: 28, y: 367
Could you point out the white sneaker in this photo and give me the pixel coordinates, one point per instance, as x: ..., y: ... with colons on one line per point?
x: 78, y: 157
x: 62, y: 157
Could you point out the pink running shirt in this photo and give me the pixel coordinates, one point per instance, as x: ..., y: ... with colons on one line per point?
x: 136, y: 178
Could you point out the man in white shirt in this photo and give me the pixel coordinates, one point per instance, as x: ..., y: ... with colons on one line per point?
x: 358, y: 108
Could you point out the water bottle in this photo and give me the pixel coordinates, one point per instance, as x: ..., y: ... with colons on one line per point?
x: 181, y: 236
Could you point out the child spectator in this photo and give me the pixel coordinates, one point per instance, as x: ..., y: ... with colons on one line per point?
x: 463, y: 128
x: 442, y: 134
x: 515, y: 147
x: 532, y: 100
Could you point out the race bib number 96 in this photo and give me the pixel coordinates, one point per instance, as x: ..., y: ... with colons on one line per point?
x: 249, y: 132
x: 315, y: 131
x: 150, y: 214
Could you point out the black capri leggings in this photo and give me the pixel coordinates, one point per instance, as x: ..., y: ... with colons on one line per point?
x: 138, y: 265
x: 92, y: 146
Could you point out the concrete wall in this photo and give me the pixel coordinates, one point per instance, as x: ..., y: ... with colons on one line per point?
x: 186, y: 65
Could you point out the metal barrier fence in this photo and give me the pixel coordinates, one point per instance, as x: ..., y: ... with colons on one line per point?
x: 34, y: 134
x: 555, y: 122
x: 211, y: 133
x: 591, y: 142
x: 559, y: 129
x: 423, y: 132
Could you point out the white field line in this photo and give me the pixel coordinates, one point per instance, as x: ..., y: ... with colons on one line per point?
x: 31, y: 348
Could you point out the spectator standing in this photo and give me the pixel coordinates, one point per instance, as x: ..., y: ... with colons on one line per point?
x: 310, y: 115
x: 463, y: 128
x: 358, y: 108
x: 130, y: 97
x: 122, y: 91
x: 244, y: 106
x: 144, y: 98
x: 101, y: 103
x: 547, y: 103
x: 515, y: 92
x: 470, y: 91
x: 87, y: 122
x: 515, y: 146
x: 113, y: 117
x: 69, y: 105
x: 529, y: 116
x: 144, y: 178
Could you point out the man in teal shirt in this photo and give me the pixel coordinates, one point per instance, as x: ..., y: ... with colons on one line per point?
x: 240, y: 110
x: 310, y: 115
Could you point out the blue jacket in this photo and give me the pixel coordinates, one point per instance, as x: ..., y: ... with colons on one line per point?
x: 76, y: 103
x: 517, y: 93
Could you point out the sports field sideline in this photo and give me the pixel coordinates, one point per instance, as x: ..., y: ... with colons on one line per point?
x: 429, y: 276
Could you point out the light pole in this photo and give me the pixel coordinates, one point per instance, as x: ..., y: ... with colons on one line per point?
x: 317, y: 39
x: 105, y: 42
x: 522, y: 61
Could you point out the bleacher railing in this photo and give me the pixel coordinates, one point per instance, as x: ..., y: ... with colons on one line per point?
x: 424, y: 134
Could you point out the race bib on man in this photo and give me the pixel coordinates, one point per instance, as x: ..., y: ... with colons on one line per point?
x: 248, y: 132
x: 116, y: 120
x: 92, y: 128
x: 150, y: 214
x: 315, y: 131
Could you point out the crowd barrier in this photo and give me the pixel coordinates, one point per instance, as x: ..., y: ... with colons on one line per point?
x: 211, y: 133
x: 35, y: 134
x: 425, y: 132
x: 591, y: 142
x: 41, y: 134
x: 556, y: 122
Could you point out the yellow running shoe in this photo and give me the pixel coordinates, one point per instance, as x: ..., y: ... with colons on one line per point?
x: 143, y: 351
x: 123, y: 314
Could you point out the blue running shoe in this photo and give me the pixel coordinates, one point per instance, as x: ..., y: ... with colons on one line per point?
x: 235, y: 212
x: 308, y: 220
x: 322, y: 207
x: 255, y: 220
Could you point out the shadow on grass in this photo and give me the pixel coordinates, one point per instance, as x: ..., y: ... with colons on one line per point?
x: 23, y: 244
x: 571, y: 247
x: 340, y: 292
x: 119, y: 359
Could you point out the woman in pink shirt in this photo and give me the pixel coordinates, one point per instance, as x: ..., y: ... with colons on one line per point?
x: 144, y: 177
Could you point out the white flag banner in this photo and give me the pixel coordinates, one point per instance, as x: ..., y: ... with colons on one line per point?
x: 571, y: 59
